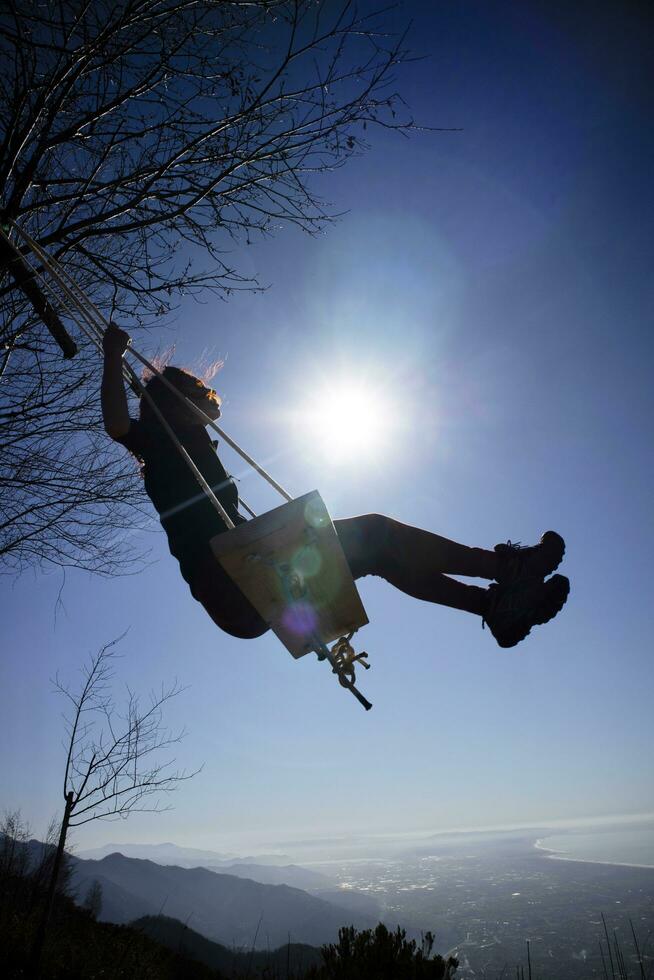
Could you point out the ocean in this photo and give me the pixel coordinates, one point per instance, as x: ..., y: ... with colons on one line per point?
x: 631, y: 845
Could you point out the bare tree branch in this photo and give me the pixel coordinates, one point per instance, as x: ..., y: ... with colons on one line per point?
x: 114, y: 758
x: 141, y: 141
x: 113, y: 763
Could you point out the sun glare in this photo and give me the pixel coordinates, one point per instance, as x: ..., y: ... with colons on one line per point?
x: 346, y: 422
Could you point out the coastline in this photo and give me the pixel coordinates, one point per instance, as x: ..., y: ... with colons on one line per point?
x: 555, y: 855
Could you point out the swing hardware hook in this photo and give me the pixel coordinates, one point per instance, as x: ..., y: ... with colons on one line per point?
x: 341, y: 659
x: 344, y: 660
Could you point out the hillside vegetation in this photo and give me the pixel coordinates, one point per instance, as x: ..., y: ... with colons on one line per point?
x: 78, y: 947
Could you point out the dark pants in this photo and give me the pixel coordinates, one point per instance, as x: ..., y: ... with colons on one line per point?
x: 415, y: 561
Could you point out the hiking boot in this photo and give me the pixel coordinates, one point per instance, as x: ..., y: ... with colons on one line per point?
x: 513, y: 609
x: 518, y: 563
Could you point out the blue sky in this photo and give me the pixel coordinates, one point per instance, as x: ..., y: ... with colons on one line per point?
x: 497, y: 283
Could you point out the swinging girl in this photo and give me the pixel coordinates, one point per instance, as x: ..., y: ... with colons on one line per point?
x: 418, y: 562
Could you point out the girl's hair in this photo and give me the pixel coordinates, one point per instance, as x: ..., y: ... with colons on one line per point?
x: 163, y: 397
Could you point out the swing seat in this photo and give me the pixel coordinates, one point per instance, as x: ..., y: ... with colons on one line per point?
x: 290, y: 564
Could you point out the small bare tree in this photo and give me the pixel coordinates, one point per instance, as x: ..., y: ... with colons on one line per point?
x: 93, y: 899
x: 26, y: 869
x: 14, y: 837
x: 140, y: 139
x: 114, y: 764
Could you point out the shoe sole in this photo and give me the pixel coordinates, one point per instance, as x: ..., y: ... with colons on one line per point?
x: 558, y: 587
x: 554, y: 541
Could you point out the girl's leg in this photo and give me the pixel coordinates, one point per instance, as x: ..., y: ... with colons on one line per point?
x: 415, y: 561
x: 212, y: 587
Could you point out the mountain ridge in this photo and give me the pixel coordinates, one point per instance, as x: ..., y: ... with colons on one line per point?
x: 169, y: 852
x: 222, y: 907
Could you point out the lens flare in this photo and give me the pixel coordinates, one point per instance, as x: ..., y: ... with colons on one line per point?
x: 347, y: 422
x: 300, y: 618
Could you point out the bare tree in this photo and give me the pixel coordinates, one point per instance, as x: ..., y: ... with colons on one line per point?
x: 140, y: 139
x: 113, y: 758
x: 15, y: 834
x: 26, y: 867
x: 93, y: 899
x: 114, y: 763
x: 66, y: 495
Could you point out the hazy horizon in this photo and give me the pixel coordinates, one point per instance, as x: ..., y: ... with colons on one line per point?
x: 348, y: 844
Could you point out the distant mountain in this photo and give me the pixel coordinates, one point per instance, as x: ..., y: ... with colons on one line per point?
x: 222, y: 907
x: 348, y: 898
x: 271, y: 872
x: 287, y: 874
x: 183, y: 857
x: 291, y: 959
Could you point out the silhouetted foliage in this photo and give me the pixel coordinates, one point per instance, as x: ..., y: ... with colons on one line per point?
x: 378, y: 954
x: 139, y: 141
x: 22, y: 858
x: 14, y: 854
x: 291, y: 960
x: 79, y: 948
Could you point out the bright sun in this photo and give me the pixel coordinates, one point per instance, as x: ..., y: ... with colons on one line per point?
x: 346, y: 422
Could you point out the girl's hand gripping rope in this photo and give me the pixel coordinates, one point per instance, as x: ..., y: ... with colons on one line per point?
x: 115, y: 341
x: 115, y: 411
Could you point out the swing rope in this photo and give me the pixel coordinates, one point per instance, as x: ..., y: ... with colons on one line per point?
x: 96, y: 322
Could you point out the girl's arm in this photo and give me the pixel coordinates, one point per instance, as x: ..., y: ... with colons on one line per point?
x: 113, y: 397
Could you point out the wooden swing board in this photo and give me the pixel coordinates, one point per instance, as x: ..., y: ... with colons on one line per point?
x: 290, y: 564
